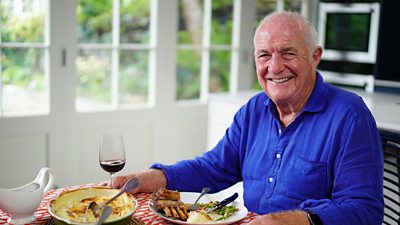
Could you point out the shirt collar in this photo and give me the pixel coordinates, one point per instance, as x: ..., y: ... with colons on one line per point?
x: 316, y: 101
x: 317, y: 98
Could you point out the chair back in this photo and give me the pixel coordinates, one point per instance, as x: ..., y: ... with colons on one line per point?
x: 391, y: 176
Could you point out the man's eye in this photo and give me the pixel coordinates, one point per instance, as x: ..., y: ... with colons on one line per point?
x: 288, y: 55
x: 264, y: 57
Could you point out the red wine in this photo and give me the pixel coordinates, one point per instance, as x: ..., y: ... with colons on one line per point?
x: 112, y: 166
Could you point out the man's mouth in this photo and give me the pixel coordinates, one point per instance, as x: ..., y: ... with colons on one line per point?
x: 279, y: 80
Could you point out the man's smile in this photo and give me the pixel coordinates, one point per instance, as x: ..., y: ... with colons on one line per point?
x: 279, y: 80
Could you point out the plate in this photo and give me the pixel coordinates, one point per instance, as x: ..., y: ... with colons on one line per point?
x: 63, y: 201
x: 134, y: 221
x: 189, y: 197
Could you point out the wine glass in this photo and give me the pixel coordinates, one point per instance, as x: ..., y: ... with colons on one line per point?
x: 112, y: 153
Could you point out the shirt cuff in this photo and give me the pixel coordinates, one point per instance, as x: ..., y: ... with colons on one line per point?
x: 164, y: 168
x: 328, y: 212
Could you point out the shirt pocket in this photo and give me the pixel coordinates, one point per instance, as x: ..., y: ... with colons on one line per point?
x: 305, y: 179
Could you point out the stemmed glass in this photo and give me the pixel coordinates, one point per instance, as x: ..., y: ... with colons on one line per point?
x: 112, y: 153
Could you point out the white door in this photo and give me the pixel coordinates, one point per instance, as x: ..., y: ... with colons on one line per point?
x: 30, y: 112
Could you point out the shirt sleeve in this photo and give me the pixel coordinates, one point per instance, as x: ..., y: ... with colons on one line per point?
x: 218, y: 168
x: 357, y: 192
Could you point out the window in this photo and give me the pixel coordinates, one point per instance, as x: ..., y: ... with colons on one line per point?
x: 23, y: 58
x: 113, y: 54
x: 189, y: 54
x: 204, y: 47
x: 220, y: 45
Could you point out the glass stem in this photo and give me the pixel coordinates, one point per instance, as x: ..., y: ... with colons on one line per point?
x: 112, y: 180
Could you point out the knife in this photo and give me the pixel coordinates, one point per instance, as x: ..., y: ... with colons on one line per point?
x: 223, y: 203
x: 107, y: 211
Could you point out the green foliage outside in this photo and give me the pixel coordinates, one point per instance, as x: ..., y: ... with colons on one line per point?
x: 189, y: 63
x: 94, y: 75
x: 22, y: 67
x: 94, y: 19
x: 188, y: 77
x: 222, y: 22
x: 133, y: 83
x: 219, y: 71
x: 135, y: 21
x: 221, y: 33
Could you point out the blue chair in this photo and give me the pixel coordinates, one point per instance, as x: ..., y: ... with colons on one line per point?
x: 391, y: 177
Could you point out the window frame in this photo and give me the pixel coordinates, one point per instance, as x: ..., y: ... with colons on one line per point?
x: 116, y: 47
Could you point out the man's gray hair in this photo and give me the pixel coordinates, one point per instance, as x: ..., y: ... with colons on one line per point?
x: 303, y: 23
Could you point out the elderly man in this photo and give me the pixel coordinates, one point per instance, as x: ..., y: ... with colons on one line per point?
x: 307, y: 152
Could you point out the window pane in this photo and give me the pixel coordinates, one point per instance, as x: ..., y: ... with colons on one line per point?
x: 293, y: 5
x: 94, y: 21
x: 221, y: 25
x: 219, y: 71
x: 340, y: 26
x: 22, y: 23
x: 188, y: 80
x: 190, y: 22
x: 135, y: 21
x: 133, y: 83
x: 25, y: 89
x: 263, y: 8
x: 94, y: 79
x: 24, y: 83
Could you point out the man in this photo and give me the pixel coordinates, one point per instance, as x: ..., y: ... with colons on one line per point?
x: 307, y: 152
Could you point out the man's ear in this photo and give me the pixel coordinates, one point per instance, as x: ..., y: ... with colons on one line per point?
x: 316, y: 56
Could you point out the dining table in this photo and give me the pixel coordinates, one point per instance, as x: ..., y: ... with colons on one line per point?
x: 142, y: 215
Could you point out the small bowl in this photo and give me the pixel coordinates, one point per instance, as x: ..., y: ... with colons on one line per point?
x: 68, y: 198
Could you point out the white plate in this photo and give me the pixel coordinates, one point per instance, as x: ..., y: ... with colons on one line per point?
x: 190, y: 197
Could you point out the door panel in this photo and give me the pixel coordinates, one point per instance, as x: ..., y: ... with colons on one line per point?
x: 22, y: 156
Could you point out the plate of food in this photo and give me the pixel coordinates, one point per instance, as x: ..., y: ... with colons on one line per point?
x: 71, y: 207
x: 174, y: 207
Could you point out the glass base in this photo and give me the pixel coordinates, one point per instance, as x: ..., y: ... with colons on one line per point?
x: 22, y: 220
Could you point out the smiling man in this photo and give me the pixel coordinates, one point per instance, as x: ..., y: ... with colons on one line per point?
x: 286, y: 57
x: 306, y: 151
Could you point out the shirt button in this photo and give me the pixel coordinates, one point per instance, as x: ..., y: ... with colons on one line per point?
x: 278, y: 156
x: 280, y: 131
x: 271, y: 179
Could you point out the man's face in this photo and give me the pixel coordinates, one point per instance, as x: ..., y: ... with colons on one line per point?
x: 284, y: 62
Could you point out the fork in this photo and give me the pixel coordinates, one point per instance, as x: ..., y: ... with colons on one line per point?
x: 194, y: 206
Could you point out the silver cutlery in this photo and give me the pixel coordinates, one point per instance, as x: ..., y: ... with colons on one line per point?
x: 223, y: 203
x: 96, y: 208
x: 107, y: 211
x: 194, y: 206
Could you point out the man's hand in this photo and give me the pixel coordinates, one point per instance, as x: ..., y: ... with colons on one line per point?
x: 149, y: 181
x: 282, y: 218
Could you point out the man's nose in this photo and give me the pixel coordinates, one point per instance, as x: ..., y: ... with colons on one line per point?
x: 275, y: 64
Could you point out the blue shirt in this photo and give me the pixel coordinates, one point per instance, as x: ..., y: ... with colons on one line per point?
x: 328, y: 160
